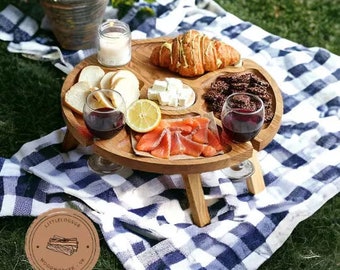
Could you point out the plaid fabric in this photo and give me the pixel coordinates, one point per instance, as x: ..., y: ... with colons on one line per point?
x: 145, y: 219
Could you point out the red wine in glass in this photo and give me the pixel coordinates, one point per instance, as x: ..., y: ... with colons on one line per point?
x: 104, y: 123
x: 103, y: 115
x: 239, y: 127
x: 242, y: 117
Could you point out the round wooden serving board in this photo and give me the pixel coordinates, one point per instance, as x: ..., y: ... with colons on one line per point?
x: 118, y: 149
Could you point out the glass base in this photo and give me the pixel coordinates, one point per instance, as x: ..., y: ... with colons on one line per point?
x: 240, y: 171
x: 101, y: 165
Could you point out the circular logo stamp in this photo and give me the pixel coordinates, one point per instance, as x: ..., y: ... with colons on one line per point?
x: 62, y: 238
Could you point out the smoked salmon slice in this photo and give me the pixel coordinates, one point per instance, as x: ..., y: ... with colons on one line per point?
x: 162, y: 150
x: 200, y: 127
x: 148, y: 141
x: 214, y: 141
x: 197, y: 122
x: 182, y: 126
x: 177, y: 148
x: 200, y: 135
x: 191, y: 148
x: 209, y: 151
x: 190, y: 136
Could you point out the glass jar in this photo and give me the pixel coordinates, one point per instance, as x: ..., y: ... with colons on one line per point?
x: 114, y: 43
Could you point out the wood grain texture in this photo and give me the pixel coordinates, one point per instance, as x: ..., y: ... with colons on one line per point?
x: 118, y: 149
x: 255, y: 183
x: 198, y: 206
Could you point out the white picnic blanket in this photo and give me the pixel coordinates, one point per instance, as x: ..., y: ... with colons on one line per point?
x: 144, y: 217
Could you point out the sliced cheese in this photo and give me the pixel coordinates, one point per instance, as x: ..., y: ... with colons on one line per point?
x: 101, y: 100
x: 127, y: 84
x: 105, y: 82
x: 126, y: 75
x: 92, y: 75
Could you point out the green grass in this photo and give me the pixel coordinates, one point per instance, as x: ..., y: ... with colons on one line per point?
x: 309, y: 22
x: 30, y: 108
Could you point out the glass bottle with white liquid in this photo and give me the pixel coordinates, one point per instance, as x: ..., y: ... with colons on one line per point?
x: 114, y: 43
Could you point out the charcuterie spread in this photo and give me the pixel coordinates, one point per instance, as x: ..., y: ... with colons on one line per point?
x: 191, y: 90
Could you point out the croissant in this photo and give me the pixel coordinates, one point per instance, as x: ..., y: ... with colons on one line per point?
x: 194, y: 53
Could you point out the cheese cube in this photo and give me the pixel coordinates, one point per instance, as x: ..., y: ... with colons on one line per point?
x: 184, y: 97
x: 173, y: 100
x: 174, y: 85
x: 172, y: 89
x: 153, y: 94
x: 174, y: 82
x: 170, y: 92
x: 163, y: 98
x: 159, y: 85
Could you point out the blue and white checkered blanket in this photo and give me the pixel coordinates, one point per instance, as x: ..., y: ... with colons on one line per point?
x: 144, y: 218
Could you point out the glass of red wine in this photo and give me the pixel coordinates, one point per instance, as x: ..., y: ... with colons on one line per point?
x: 103, y: 114
x: 242, y: 118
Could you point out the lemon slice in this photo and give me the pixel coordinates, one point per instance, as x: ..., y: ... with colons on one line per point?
x: 143, y: 115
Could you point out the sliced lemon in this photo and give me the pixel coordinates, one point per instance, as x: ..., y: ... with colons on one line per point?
x: 143, y: 115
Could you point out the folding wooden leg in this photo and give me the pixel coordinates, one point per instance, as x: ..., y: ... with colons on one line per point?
x: 255, y: 183
x: 69, y: 141
x: 198, y: 206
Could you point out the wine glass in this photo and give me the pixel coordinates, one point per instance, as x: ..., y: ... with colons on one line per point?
x: 103, y: 114
x: 242, y: 118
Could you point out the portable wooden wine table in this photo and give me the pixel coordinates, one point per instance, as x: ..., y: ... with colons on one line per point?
x: 119, y: 150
